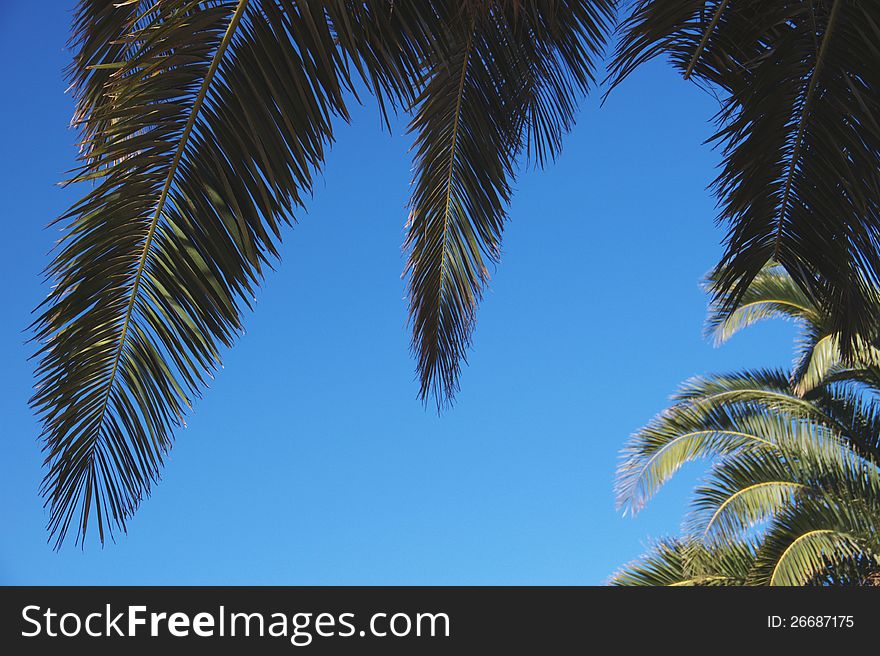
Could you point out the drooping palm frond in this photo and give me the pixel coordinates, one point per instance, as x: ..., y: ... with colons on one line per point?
x: 771, y: 295
x: 800, y: 135
x: 810, y: 491
x: 506, y: 82
x: 856, y: 414
x: 689, y: 563
x: 820, y: 360
x: 741, y: 493
x: 808, y: 539
x: 682, y: 434
x: 746, y: 489
x: 202, y: 124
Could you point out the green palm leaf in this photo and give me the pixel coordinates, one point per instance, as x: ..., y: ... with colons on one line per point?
x: 700, y: 426
x: 808, y: 540
x: 740, y: 494
x: 772, y: 294
x: 656, y: 453
x: 745, y: 489
x: 689, y: 563
x: 795, y: 459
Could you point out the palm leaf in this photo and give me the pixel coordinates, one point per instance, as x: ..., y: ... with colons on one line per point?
x: 717, y: 416
x: 504, y: 79
x: 810, y: 539
x: 740, y: 494
x: 772, y: 294
x: 689, y: 563
x: 202, y: 125
x: 800, y: 136
x: 698, y: 427
x: 795, y: 459
x: 746, y: 489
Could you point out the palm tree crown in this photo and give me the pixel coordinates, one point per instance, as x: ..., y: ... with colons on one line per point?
x: 793, y: 493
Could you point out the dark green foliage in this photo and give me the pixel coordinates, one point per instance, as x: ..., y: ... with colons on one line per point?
x: 203, y: 123
x: 795, y: 467
x: 799, y: 133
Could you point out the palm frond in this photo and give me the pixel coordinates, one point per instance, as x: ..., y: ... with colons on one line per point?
x: 805, y: 489
x: 745, y: 489
x: 689, y: 563
x: 810, y: 539
x: 703, y: 426
x: 202, y: 126
x: 716, y: 416
x: 507, y: 81
x: 821, y: 359
x: 740, y: 494
x: 800, y: 136
x: 749, y: 392
x: 772, y: 294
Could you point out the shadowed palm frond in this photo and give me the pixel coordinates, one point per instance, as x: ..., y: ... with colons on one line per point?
x: 202, y: 126
x: 506, y: 82
x: 800, y: 138
x: 203, y: 123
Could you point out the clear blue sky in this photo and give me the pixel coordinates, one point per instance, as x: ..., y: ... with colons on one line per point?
x: 310, y: 460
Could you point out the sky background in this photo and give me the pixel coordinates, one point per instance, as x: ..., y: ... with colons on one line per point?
x: 310, y: 459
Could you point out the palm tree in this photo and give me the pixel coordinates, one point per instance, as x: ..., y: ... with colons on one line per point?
x: 203, y: 122
x: 793, y: 493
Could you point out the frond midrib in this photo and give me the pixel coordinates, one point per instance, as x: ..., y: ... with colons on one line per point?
x: 637, y: 478
x: 745, y: 490
x: 456, y: 127
x: 802, y: 125
x: 163, y: 196
x: 705, y: 40
x: 798, y: 539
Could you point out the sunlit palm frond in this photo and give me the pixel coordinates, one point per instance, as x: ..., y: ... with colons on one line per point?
x: 751, y: 392
x: 689, y: 563
x: 805, y: 489
x: 740, y: 494
x: 821, y: 361
x: 714, y: 417
x: 746, y: 489
x: 772, y: 294
x: 809, y: 539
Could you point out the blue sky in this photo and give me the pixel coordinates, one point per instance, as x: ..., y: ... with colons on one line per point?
x: 310, y: 459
